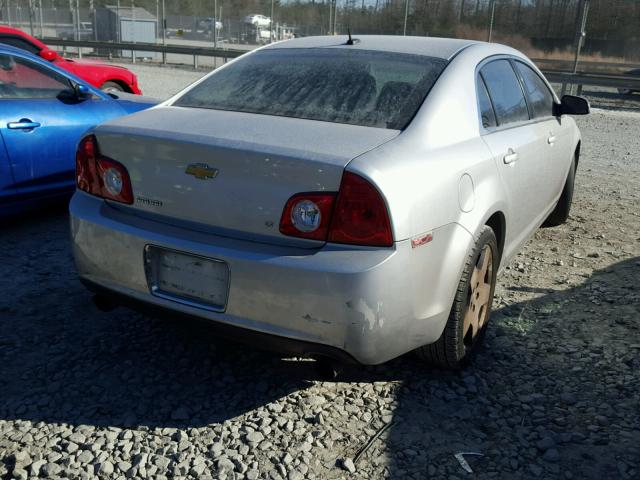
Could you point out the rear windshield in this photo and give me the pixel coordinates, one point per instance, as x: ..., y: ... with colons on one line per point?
x: 341, y: 85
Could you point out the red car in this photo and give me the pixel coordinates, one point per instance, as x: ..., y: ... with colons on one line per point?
x: 97, y: 74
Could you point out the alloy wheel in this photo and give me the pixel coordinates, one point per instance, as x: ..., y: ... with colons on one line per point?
x: 479, y: 301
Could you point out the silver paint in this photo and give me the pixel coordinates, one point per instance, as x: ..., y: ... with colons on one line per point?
x: 375, y: 303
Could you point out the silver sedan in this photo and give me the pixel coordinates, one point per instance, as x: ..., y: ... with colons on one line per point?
x: 329, y: 196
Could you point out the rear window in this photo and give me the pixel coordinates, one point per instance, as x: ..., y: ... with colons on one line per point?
x: 358, y: 87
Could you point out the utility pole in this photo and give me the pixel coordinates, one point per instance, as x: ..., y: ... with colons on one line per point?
x: 406, y: 15
x: 78, y: 27
x: 335, y: 15
x: 493, y: 12
x: 78, y: 20
x: 30, y: 9
x: 41, y: 21
x: 119, y: 29
x: 157, y: 19
x: 581, y: 33
x: 133, y: 30
x: 330, y: 15
x: 215, y: 25
x: 271, y: 24
x: 92, y: 8
x: 164, y: 29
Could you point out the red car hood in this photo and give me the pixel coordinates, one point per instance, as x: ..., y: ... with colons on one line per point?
x: 93, y: 63
x: 97, y: 72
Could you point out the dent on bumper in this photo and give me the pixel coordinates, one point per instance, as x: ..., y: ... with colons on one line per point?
x: 374, y: 304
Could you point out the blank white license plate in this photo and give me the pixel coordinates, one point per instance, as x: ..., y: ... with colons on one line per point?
x: 190, y: 279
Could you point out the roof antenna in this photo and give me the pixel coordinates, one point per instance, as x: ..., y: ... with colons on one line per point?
x: 350, y: 41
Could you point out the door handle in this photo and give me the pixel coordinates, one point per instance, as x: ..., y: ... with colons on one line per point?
x: 510, y: 157
x: 551, y: 140
x: 23, y: 124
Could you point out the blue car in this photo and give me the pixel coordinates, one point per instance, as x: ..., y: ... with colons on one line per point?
x: 44, y: 111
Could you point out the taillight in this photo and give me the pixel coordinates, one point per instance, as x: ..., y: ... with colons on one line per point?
x: 308, y: 215
x: 357, y: 215
x: 99, y: 175
x: 360, y: 216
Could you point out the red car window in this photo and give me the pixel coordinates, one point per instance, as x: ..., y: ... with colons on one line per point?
x: 18, y: 42
x: 20, y: 78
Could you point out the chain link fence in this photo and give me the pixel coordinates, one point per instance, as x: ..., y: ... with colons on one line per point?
x: 549, y: 29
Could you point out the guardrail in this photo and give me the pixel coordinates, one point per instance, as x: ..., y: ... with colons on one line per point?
x: 190, y: 50
x: 585, y: 65
x: 627, y: 82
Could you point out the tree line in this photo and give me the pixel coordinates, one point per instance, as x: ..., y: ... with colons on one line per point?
x: 607, y: 20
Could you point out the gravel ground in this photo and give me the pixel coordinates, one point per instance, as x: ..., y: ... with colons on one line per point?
x: 555, y: 393
x: 162, y: 82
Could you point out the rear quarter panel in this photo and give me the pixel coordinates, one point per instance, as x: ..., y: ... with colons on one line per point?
x: 438, y: 170
x: 429, y: 188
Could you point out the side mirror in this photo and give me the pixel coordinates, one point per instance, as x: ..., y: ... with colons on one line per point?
x: 7, y: 63
x: 572, y: 105
x: 76, y: 94
x: 48, y: 55
x: 82, y: 91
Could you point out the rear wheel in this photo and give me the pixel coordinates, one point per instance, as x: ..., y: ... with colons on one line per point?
x: 560, y: 214
x: 106, y: 86
x: 471, y: 307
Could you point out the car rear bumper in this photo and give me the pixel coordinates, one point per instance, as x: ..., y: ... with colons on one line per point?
x: 224, y: 330
x: 366, y: 304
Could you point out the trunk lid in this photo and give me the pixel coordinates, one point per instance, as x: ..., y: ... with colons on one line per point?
x: 230, y: 173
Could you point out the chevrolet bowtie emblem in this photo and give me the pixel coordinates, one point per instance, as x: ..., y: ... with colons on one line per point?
x: 201, y: 171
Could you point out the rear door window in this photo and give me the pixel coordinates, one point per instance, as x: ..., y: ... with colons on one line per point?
x: 19, y: 43
x: 539, y: 95
x: 505, y: 92
x: 487, y: 115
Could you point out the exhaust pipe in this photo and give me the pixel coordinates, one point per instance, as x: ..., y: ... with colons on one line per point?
x: 327, y: 368
x: 103, y: 303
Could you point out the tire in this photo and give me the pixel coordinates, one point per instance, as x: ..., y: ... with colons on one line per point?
x: 560, y: 214
x: 460, y: 339
x: 106, y: 86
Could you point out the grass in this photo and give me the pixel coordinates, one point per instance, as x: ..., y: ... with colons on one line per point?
x: 524, y: 45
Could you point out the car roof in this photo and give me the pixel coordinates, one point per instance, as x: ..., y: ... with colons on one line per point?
x: 445, y: 48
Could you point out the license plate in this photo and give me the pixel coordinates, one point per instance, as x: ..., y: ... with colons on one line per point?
x: 189, y: 279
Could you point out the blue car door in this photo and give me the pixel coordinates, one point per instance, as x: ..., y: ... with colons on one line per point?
x: 41, y: 122
x: 7, y: 191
